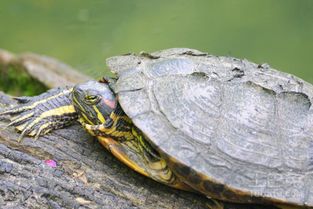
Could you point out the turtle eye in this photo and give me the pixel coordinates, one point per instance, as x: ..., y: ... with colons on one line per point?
x: 92, y: 99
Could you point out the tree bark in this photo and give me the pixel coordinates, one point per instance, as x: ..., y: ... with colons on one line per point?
x: 85, y: 176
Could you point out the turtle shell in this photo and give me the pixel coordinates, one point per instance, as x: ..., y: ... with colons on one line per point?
x: 232, y: 129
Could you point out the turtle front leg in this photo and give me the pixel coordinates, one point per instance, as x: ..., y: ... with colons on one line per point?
x: 131, y: 148
x: 38, y: 115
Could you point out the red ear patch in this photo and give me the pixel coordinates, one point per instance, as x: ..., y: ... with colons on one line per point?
x: 110, y: 103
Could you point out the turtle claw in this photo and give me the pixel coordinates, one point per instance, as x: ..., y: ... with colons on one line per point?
x: 87, y: 127
x: 37, y: 135
x: 37, y: 116
x: 16, y: 121
x: 20, y: 138
x: 108, y: 80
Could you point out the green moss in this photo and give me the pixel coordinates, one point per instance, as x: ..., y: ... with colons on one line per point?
x: 17, y: 82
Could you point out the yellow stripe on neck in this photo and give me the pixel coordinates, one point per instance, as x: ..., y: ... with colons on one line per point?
x: 81, y: 112
x: 49, y: 98
x: 54, y: 112
x: 99, y: 115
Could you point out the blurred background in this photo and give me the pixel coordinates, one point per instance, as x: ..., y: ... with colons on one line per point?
x: 83, y: 33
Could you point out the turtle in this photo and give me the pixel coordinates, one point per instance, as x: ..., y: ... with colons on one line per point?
x: 238, y: 132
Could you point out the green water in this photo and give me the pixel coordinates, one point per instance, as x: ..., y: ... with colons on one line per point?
x: 83, y: 33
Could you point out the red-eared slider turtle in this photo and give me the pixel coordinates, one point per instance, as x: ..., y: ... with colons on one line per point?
x: 228, y: 128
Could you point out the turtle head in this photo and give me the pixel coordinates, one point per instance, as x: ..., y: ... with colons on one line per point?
x: 94, y: 101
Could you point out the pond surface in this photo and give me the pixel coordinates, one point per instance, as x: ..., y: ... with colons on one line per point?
x: 83, y: 33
